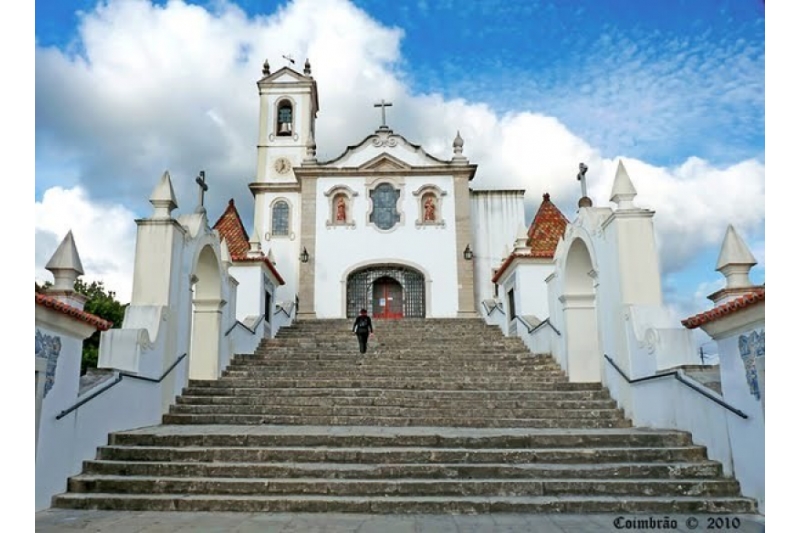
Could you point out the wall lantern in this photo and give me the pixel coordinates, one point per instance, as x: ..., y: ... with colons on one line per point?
x: 468, y: 253
x: 304, y: 255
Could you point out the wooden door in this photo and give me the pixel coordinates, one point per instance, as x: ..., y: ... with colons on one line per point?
x: 387, y: 299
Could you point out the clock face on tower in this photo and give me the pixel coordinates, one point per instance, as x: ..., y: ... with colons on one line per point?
x: 283, y: 165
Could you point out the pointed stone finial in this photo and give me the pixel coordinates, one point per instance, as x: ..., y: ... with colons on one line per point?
x: 458, y: 143
x: 265, y: 68
x: 163, y: 198
x: 623, y: 192
x: 271, y: 256
x: 311, y: 150
x: 65, y: 265
x: 735, y: 260
x: 458, y: 149
x: 255, y: 244
x: 307, y: 68
x: 225, y: 253
x: 521, y: 243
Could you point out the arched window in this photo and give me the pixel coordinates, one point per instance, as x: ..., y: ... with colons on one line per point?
x: 285, y: 118
x: 280, y: 218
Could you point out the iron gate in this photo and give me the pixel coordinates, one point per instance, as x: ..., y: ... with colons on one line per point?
x: 360, y: 286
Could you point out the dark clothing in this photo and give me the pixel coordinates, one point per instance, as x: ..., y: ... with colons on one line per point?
x: 362, y: 341
x: 362, y: 327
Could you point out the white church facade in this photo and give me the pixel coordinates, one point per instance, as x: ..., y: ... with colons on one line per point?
x: 384, y: 226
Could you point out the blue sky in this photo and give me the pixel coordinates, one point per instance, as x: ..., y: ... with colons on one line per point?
x: 675, y: 88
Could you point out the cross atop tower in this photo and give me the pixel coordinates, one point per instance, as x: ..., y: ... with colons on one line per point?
x: 383, y: 105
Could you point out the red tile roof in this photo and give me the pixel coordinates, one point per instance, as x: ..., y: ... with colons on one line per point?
x: 515, y: 255
x: 231, y: 229
x: 737, y: 304
x: 73, y: 312
x: 547, y: 228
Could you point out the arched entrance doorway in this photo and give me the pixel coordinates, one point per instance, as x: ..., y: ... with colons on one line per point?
x: 580, y: 315
x: 206, y: 327
x: 386, y: 292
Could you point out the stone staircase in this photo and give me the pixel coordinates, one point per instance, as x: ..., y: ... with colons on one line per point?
x: 439, y: 416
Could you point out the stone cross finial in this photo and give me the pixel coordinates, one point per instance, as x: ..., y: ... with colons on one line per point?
x: 582, y: 168
x: 383, y: 105
x: 201, y: 182
x: 585, y: 201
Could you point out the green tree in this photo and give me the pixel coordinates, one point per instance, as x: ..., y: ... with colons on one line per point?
x: 101, y: 302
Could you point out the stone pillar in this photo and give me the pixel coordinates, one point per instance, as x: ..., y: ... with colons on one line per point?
x: 465, y: 268
x: 581, y: 334
x: 308, y: 238
x: 41, y: 368
x: 206, y: 336
x: 637, y: 256
x: 156, y: 240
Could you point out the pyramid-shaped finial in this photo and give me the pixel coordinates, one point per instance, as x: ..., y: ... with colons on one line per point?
x: 623, y: 192
x: 521, y: 243
x: 735, y: 260
x: 311, y: 150
x: 163, y: 198
x: 255, y: 244
x: 65, y: 265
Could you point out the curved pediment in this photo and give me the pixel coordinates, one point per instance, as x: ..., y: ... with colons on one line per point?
x: 384, y: 150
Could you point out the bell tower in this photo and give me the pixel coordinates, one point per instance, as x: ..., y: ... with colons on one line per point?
x: 288, y: 106
x: 287, y: 117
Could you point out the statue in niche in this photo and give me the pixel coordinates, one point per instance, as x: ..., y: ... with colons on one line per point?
x: 430, y: 210
x: 341, y: 210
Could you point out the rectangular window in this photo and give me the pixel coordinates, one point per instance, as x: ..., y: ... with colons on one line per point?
x: 512, y: 312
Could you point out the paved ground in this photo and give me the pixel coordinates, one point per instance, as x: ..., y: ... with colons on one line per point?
x: 58, y: 520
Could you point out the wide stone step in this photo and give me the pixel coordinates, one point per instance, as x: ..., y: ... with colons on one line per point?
x: 441, y: 411
x: 390, y: 455
x: 385, y: 364
x: 698, y: 470
x: 469, y: 402
x: 403, y: 487
x: 420, y: 394
x: 419, y: 437
x: 519, y: 383
x: 406, y: 504
x: 376, y: 420
x: 368, y: 373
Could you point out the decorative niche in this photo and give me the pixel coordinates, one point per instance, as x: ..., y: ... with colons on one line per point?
x: 430, y: 200
x: 340, y: 207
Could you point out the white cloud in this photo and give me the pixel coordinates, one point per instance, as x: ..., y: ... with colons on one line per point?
x: 173, y: 87
x: 104, y: 236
